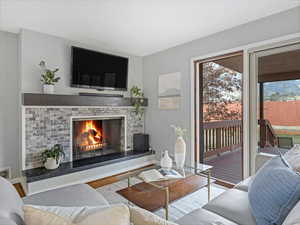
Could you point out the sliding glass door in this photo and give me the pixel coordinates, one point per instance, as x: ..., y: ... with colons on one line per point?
x: 275, y: 100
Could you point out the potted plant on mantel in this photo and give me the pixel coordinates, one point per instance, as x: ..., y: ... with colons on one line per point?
x: 48, y: 78
x: 52, y: 157
x: 137, y: 100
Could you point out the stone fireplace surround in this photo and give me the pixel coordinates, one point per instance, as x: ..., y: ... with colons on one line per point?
x: 44, y: 126
x: 46, y: 120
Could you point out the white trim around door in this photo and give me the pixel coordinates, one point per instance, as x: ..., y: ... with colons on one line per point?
x: 248, y: 107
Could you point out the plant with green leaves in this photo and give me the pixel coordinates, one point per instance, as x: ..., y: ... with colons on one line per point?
x: 48, y: 76
x: 179, y: 131
x: 137, y: 101
x: 56, y: 152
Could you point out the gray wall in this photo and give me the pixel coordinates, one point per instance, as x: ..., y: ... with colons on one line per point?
x: 9, y: 102
x: 142, y: 71
x: 57, y: 54
x: 178, y: 59
x: 19, y: 73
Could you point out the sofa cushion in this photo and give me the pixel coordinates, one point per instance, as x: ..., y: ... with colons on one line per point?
x: 244, y: 185
x: 114, y: 215
x: 203, y: 217
x: 5, y: 221
x: 274, y: 191
x: 75, y: 195
x: 233, y: 204
x: 10, y: 204
x: 139, y: 216
x: 74, y: 214
x: 294, y: 216
x: 293, y: 157
x: 34, y: 216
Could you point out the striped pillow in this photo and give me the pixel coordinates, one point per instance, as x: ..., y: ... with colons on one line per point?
x: 274, y: 192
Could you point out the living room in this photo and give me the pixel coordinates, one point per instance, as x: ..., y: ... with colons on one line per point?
x: 145, y: 112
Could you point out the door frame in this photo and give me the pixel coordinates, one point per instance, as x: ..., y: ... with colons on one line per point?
x: 248, y: 163
x: 199, y: 144
x: 254, y: 55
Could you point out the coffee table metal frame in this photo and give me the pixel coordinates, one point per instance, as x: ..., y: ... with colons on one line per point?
x: 200, y: 169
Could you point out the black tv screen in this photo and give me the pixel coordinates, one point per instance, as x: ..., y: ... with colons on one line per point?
x: 91, y: 69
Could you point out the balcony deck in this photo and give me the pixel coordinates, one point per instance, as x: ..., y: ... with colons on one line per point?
x: 228, y: 167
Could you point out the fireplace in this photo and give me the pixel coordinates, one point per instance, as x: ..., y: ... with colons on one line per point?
x: 96, y: 136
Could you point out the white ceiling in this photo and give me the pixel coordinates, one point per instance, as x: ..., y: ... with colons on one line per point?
x: 138, y: 27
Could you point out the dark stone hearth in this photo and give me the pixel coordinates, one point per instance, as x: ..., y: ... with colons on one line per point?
x: 41, y: 173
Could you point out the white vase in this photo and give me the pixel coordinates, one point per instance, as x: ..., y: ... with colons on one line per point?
x: 48, y: 89
x: 179, y: 152
x: 166, y: 162
x: 51, y: 164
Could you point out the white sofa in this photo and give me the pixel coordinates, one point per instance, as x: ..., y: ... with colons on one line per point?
x: 230, y: 208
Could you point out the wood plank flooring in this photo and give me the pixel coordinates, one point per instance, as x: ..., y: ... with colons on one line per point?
x: 20, y: 189
x: 227, y: 167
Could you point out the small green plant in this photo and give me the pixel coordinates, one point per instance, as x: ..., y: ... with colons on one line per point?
x: 56, y: 152
x: 48, y: 76
x: 137, y: 101
x: 179, y: 131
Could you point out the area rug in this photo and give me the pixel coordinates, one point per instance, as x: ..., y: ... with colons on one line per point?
x: 177, y: 209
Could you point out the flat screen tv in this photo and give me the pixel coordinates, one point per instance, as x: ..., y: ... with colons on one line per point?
x: 91, y: 69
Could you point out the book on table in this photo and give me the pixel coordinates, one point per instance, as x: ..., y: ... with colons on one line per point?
x: 159, y: 175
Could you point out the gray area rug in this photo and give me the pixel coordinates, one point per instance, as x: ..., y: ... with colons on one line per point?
x: 177, y: 209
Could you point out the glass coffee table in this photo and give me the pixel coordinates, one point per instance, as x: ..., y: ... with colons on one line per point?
x: 159, y: 194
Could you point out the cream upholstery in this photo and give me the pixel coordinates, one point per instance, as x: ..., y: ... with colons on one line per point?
x: 140, y: 216
x: 34, y: 216
x: 113, y: 215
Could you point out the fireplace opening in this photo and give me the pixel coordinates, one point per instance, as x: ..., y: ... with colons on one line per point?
x: 97, y: 136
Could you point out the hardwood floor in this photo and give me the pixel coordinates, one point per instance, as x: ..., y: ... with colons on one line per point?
x: 20, y: 189
x: 102, y: 182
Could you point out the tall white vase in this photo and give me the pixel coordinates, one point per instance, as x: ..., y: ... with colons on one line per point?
x: 180, y: 151
x: 166, y: 161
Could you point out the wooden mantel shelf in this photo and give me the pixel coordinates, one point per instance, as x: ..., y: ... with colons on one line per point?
x: 34, y: 99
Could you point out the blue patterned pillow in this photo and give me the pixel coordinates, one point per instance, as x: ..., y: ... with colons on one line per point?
x: 274, y: 191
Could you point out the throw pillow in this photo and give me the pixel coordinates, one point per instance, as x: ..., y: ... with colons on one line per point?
x: 140, y: 216
x: 74, y: 214
x: 292, y: 156
x: 114, y: 215
x: 34, y: 216
x: 273, y: 192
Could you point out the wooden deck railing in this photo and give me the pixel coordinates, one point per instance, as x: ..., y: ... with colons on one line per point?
x: 267, y: 134
x: 222, y: 136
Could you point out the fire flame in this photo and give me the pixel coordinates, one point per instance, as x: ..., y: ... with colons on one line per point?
x: 89, y: 126
x: 91, y: 136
